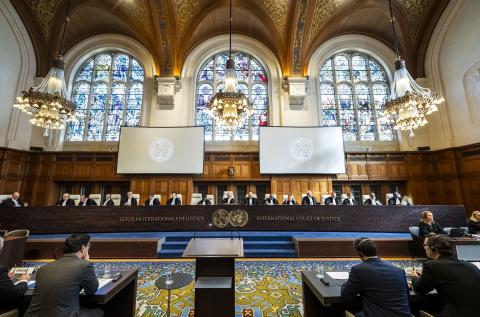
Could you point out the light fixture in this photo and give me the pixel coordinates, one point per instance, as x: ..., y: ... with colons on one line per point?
x: 409, y: 103
x: 230, y: 108
x: 47, y: 103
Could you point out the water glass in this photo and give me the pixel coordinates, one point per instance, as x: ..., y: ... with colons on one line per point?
x: 106, y: 270
x: 320, y: 271
x: 169, y: 279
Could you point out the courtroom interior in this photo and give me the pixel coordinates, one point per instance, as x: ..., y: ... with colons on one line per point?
x: 247, y: 158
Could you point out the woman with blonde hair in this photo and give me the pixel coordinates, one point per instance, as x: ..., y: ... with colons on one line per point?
x: 474, y: 223
x: 427, y: 226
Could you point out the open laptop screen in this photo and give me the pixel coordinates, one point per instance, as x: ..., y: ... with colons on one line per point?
x: 469, y: 253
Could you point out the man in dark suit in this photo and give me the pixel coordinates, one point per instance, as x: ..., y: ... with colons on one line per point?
x: 395, y: 200
x: 457, y: 282
x: 10, y: 293
x: 108, y: 201
x: 270, y: 200
x: 205, y: 201
x: 152, y: 201
x: 86, y: 201
x: 174, y: 200
x: 251, y: 199
x: 382, y: 287
x: 229, y: 200
x: 58, y: 284
x: 130, y: 200
x: 349, y: 200
x: 333, y: 199
x: 66, y: 201
x: 289, y: 200
x: 309, y: 199
x: 372, y: 200
x: 14, y: 201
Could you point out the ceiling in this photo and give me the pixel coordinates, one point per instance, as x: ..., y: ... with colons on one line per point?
x: 170, y: 29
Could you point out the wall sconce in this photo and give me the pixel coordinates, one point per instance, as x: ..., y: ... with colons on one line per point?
x: 296, y: 90
x: 166, y: 89
x: 231, y: 171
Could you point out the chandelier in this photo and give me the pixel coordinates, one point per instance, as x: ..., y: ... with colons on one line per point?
x: 409, y: 103
x: 47, y: 103
x: 230, y: 108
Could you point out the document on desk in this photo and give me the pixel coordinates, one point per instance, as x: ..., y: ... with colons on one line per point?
x: 103, y: 281
x: 338, y: 275
x: 477, y: 264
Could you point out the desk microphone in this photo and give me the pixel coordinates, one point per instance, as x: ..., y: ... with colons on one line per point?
x: 194, y: 234
x: 116, y: 277
x: 324, y: 282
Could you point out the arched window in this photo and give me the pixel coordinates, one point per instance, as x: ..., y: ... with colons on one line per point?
x: 353, y: 90
x: 252, y: 81
x: 108, y: 93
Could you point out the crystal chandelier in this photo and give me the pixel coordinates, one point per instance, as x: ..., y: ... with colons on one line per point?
x: 230, y: 108
x: 409, y: 103
x: 47, y: 103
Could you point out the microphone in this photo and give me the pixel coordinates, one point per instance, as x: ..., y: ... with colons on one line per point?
x: 194, y: 234
x: 238, y: 233
x: 117, y: 276
x: 231, y: 234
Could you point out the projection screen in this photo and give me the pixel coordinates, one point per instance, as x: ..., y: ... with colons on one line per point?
x: 301, y: 150
x: 161, y: 150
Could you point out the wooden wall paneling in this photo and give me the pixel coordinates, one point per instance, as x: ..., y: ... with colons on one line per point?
x: 357, y: 167
x: 376, y: 167
x: 397, y: 167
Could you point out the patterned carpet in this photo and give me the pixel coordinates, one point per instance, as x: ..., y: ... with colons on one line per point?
x: 264, y: 288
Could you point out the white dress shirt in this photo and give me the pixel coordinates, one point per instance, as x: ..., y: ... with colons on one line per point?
x: 16, y: 203
x: 128, y: 202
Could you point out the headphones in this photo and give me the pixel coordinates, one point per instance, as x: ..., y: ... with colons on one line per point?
x: 439, y: 244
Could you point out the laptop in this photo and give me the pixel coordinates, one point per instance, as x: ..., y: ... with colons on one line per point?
x: 457, y: 232
x: 468, y: 252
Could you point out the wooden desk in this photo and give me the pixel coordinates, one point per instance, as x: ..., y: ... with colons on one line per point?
x: 322, y: 300
x: 117, y: 299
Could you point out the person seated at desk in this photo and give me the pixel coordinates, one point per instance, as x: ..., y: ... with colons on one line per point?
x: 251, y: 199
x: 372, y: 200
x: 332, y: 200
x: 395, y: 200
x: 174, y: 200
x: 14, y: 201
x: 130, y: 200
x: 457, y: 282
x: 108, y: 201
x: 10, y: 293
x: 205, y: 201
x: 66, y: 201
x: 427, y: 226
x: 152, y: 201
x: 229, y: 200
x: 349, y: 200
x: 270, y: 200
x: 309, y: 199
x: 58, y: 284
x: 474, y: 223
x: 86, y: 201
x: 382, y: 287
x: 289, y: 200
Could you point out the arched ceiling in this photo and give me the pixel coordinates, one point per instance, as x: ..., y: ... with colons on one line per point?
x: 170, y: 29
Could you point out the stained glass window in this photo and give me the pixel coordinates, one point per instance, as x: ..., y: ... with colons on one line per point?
x: 108, y: 93
x: 353, y: 90
x: 252, y: 81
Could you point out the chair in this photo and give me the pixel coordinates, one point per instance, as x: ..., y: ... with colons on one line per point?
x: 343, y: 197
x: 324, y: 196
x: 364, y: 198
x: 3, y: 197
x: 179, y: 196
x: 137, y: 198
x: 254, y: 195
x: 225, y: 194
x: 13, y: 248
x: 10, y: 313
x: 422, y: 314
x: 349, y: 314
x: 3, y: 232
x: 211, y: 198
x: 97, y: 198
x: 407, y: 200
x: 285, y: 197
x: 416, y: 245
x: 19, y: 233
x: 76, y: 199
x: 388, y: 196
x: 196, y: 197
x: 116, y: 198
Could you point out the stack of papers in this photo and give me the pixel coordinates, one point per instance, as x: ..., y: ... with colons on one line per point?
x: 477, y: 264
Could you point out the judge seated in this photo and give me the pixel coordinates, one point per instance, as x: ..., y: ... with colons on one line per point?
x: 309, y: 199
x: 349, y: 200
x: 66, y: 201
x: 174, y: 200
x: 152, y: 201
x: 270, y: 200
x: 333, y: 199
x: 289, y: 200
x: 86, y: 201
x: 372, y: 200
x: 130, y: 200
x: 474, y: 223
x: 395, y: 200
x: 427, y: 226
x: 108, y: 201
x: 15, y: 201
x: 205, y: 201
x: 251, y: 199
x: 229, y: 200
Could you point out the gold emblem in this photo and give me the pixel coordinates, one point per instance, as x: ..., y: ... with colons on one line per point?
x: 220, y: 218
x: 238, y: 218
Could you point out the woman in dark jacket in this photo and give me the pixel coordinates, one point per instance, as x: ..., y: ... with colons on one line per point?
x: 474, y: 223
x: 427, y: 226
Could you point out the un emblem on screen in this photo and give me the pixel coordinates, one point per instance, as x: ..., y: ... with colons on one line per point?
x: 301, y: 149
x: 160, y: 150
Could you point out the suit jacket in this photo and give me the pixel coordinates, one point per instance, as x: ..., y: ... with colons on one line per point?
x: 370, y: 202
x: 109, y: 203
x: 270, y: 201
x: 207, y: 202
x: 457, y: 283
x: 473, y: 227
x: 88, y: 202
x: 225, y: 201
x: 70, y: 202
x: 382, y: 287
x: 393, y: 201
x: 346, y: 201
x: 254, y: 201
x: 10, y: 203
x: 133, y: 202
x: 329, y: 200
x: 177, y: 201
x: 426, y: 229
x: 10, y: 294
x: 306, y: 201
x: 58, y: 285
x: 285, y: 202
x: 156, y: 202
